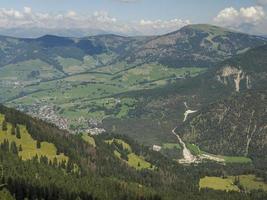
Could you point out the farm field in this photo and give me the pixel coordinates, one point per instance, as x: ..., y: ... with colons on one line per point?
x: 85, y: 94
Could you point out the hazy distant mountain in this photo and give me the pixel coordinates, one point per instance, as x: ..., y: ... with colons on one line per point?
x: 38, y: 32
x: 194, y: 45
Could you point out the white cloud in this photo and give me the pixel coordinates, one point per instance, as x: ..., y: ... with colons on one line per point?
x: 10, y: 18
x: 161, y: 26
x: 99, y: 20
x: 250, y: 17
x: 252, y: 14
x: 27, y: 10
x: 103, y: 16
x: 71, y: 14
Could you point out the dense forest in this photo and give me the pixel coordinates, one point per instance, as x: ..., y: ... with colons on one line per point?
x: 95, y: 173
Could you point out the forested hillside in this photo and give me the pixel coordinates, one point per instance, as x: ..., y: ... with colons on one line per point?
x: 232, y: 126
x: 95, y: 172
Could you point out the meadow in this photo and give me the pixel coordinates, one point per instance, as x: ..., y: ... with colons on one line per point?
x: 29, y: 145
x: 247, y: 182
x: 133, y: 160
x: 195, y: 150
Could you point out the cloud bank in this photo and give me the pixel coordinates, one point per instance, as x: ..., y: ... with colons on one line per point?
x: 99, y: 20
x: 252, y: 19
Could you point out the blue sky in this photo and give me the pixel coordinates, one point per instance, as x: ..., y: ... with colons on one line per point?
x: 195, y: 10
x: 142, y: 16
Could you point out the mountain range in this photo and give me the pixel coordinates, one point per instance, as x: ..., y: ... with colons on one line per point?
x: 112, y: 108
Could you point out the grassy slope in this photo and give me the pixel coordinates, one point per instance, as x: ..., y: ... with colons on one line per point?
x: 195, y: 150
x: 89, y: 139
x: 135, y: 161
x: 5, y: 195
x: 249, y: 182
x: 28, y: 144
x: 218, y: 183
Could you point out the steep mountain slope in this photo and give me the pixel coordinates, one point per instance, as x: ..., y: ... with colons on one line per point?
x: 235, y: 125
x: 245, y: 71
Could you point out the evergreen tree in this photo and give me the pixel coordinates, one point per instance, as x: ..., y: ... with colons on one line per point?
x: 4, y: 125
x: 18, y: 132
x: 38, y: 144
x: 13, y: 130
x: 5, y: 145
x: 13, y: 148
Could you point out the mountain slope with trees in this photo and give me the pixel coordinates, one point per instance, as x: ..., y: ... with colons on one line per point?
x: 96, y: 173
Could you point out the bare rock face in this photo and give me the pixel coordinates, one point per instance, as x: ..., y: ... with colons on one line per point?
x: 230, y: 75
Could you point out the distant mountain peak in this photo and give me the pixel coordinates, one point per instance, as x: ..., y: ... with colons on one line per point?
x: 207, y: 28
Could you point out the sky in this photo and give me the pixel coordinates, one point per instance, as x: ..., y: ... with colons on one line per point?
x: 134, y: 17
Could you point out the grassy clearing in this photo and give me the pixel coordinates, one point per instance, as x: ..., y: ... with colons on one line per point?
x: 120, y: 141
x: 248, y: 182
x: 218, y: 183
x: 195, y: 150
x: 251, y: 182
x: 5, y: 195
x: 28, y: 144
x: 135, y: 161
x: 138, y: 162
x: 90, y: 140
x: 171, y: 146
x: 236, y: 159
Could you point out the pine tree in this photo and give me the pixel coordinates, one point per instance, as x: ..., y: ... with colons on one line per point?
x: 13, y: 130
x: 5, y: 145
x: 38, y: 144
x: 55, y: 163
x: 13, y: 148
x: 18, y: 132
x: 4, y: 125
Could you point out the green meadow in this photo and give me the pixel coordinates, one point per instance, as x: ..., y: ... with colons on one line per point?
x: 29, y: 145
x: 90, y: 140
x: 195, y: 150
x: 248, y: 182
x: 135, y: 161
x: 218, y: 183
